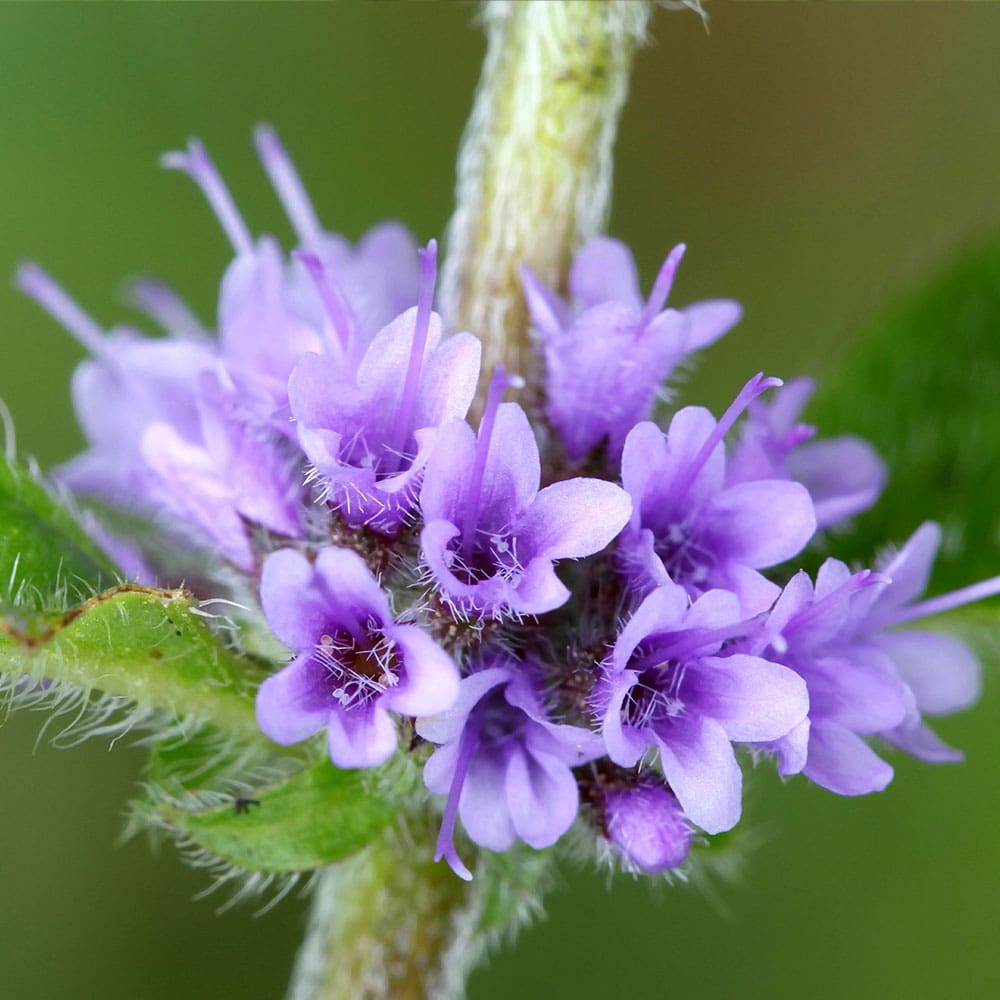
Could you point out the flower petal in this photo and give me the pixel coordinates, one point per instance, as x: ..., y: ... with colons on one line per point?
x: 483, y: 806
x: 755, y: 700
x: 362, y: 737
x: 431, y: 675
x: 842, y: 762
x: 573, y: 518
x: 702, y: 772
x: 294, y: 604
x: 295, y: 702
x: 541, y: 795
x: 943, y: 673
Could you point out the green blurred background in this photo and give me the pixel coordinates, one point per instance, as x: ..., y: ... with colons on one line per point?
x: 817, y: 159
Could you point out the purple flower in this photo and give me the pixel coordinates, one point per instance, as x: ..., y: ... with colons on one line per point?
x: 605, y: 365
x: 354, y: 663
x: 129, y: 382
x: 941, y: 673
x: 669, y: 685
x: 505, y: 767
x: 689, y: 527
x: 866, y: 677
x: 369, y: 433
x: 332, y: 300
x: 168, y: 435
x: 645, y: 825
x: 490, y: 536
x: 853, y: 688
x: 233, y: 473
x: 844, y: 475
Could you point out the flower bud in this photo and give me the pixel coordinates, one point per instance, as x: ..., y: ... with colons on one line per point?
x: 647, y: 827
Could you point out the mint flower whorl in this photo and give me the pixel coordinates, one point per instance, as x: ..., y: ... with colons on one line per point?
x: 608, y: 353
x: 505, y: 767
x: 354, y: 663
x: 689, y: 527
x: 331, y: 406
x: 670, y: 685
x: 490, y: 536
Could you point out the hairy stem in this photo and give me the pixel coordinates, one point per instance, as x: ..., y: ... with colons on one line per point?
x: 389, y: 924
x: 534, y: 171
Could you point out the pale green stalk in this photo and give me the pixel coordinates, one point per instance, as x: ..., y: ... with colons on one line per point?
x: 534, y: 170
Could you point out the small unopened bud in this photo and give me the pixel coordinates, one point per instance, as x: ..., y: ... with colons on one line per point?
x: 646, y: 826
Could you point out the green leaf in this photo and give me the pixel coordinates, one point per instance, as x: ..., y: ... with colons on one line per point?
x: 923, y: 385
x: 312, y: 819
x: 45, y: 556
x: 152, y: 647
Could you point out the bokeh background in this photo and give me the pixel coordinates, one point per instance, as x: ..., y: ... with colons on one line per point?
x: 818, y: 159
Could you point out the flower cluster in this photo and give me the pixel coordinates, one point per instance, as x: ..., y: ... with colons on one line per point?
x: 580, y: 608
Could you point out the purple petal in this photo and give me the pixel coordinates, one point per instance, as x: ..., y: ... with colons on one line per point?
x: 760, y: 523
x: 548, y: 313
x: 844, y: 476
x: 296, y: 609
x: 574, y: 518
x: 483, y: 806
x: 911, y: 568
x: 705, y: 322
x: 644, y: 458
x: 440, y: 767
x: 661, y: 612
x: 625, y: 745
x: 604, y: 270
x: 920, y: 741
x: 542, y: 797
x: 361, y: 738
x: 702, y: 771
x: 431, y: 676
x: 754, y: 591
x: 349, y: 582
x: 513, y: 470
x: 843, y: 763
x: 192, y: 489
x: 792, y: 750
x: 295, y: 702
x: 755, y: 700
x: 714, y: 609
x: 445, y: 485
x: 537, y: 591
x: 447, y: 726
x: 860, y: 691
x: 941, y: 670
x: 448, y: 380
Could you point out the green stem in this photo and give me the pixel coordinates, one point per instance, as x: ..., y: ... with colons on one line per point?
x: 389, y: 924
x: 534, y: 171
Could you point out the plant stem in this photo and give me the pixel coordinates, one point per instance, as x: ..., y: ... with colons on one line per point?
x: 389, y: 924
x: 534, y: 170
